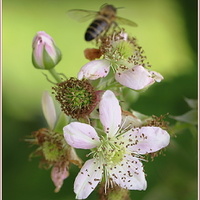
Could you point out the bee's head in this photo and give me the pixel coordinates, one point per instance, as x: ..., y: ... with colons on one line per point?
x: 106, y: 8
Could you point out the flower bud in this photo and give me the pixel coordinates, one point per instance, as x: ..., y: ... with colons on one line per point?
x: 46, y: 54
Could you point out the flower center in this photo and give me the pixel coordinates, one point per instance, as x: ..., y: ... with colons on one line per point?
x: 77, y: 97
x: 123, y: 52
x: 123, y: 49
x: 111, y: 151
x: 51, y: 151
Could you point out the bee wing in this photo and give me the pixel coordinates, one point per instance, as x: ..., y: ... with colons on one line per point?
x: 124, y: 21
x: 81, y: 15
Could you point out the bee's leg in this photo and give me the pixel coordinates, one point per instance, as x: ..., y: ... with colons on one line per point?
x: 115, y: 26
x: 112, y: 28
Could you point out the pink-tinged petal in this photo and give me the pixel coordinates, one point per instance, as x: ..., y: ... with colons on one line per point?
x: 80, y: 135
x: 110, y: 113
x: 124, y: 36
x: 49, y: 109
x: 136, y: 78
x: 129, y: 174
x: 147, y: 139
x: 94, y: 70
x: 157, y: 76
x: 88, y: 178
x: 58, y: 175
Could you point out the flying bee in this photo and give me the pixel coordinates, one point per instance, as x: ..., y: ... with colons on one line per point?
x: 104, y: 19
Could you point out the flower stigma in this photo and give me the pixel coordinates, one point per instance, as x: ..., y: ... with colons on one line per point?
x: 110, y: 151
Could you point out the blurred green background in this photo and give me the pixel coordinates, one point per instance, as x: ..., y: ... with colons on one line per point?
x: 167, y: 32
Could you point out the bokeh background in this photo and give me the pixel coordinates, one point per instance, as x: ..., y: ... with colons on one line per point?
x: 167, y: 32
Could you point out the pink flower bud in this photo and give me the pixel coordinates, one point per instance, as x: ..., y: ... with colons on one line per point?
x: 46, y: 54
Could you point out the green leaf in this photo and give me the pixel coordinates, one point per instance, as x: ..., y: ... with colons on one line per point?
x: 192, y: 103
x: 189, y: 117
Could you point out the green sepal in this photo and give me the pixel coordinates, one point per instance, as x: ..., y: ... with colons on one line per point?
x: 192, y: 103
x: 190, y: 117
x: 47, y: 60
x: 62, y: 121
x: 59, y: 54
x: 35, y: 63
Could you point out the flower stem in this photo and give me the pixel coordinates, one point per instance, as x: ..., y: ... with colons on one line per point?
x: 55, y: 75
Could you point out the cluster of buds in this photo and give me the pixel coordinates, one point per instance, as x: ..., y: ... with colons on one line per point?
x: 119, y: 138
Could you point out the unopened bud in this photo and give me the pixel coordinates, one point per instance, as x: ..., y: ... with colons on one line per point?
x: 46, y: 54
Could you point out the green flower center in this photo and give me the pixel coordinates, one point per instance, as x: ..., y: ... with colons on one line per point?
x: 123, y: 48
x: 77, y: 97
x: 122, y: 51
x: 111, y: 150
x: 51, y: 151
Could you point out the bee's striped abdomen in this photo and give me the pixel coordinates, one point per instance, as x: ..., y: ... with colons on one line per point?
x: 95, y: 29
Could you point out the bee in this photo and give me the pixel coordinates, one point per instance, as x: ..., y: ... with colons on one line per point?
x: 104, y: 19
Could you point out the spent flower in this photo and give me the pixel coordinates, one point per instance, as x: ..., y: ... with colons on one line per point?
x: 77, y: 97
x: 116, y: 153
x: 55, y: 153
x: 59, y: 173
x: 45, y: 55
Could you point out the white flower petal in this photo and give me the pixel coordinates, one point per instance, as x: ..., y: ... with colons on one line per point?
x: 94, y: 70
x: 136, y: 78
x: 129, y: 174
x: 110, y: 113
x: 87, y: 179
x: 147, y: 139
x: 80, y: 135
x: 49, y: 109
x: 157, y: 76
